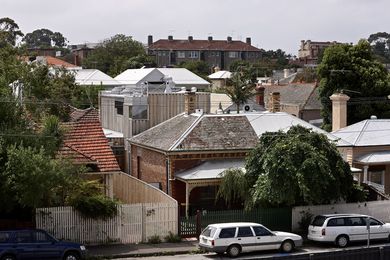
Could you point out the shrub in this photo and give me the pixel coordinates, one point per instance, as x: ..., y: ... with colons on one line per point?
x: 95, y: 206
x: 305, y: 221
x: 172, y: 238
x: 155, y: 239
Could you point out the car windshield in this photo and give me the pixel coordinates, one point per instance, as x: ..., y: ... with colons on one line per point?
x: 318, y: 221
x: 209, y: 232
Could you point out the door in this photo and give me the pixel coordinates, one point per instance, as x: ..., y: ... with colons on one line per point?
x: 265, y: 239
x: 24, y: 245
x: 376, y: 229
x: 246, y: 239
x: 46, y: 246
x: 357, y: 228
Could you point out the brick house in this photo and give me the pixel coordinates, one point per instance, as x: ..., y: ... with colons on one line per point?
x: 185, y: 155
x: 216, y: 53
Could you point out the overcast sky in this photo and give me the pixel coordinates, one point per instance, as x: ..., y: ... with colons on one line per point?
x: 271, y: 24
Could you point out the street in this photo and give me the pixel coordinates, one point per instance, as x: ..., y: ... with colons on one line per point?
x: 309, y: 248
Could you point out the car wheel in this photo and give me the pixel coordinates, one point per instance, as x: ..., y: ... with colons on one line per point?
x: 234, y: 250
x: 287, y: 246
x: 71, y: 256
x: 342, y: 241
x: 8, y: 257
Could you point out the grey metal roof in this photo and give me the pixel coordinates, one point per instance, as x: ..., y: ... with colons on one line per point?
x: 182, y: 76
x: 222, y: 74
x: 208, y: 132
x: 87, y: 77
x: 374, y: 158
x: 370, y: 132
x: 211, y: 169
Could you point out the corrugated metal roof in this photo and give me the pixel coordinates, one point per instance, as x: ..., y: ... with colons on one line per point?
x: 134, y: 76
x: 370, y: 132
x: 374, y: 158
x: 182, y: 76
x: 222, y: 74
x: 87, y: 77
x: 212, y: 169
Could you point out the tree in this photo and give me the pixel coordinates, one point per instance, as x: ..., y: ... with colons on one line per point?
x: 353, y: 67
x: 200, y: 68
x: 290, y: 168
x: 9, y: 31
x: 117, y: 54
x: 44, y: 38
x: 380, y: 43
x: 239, y: 88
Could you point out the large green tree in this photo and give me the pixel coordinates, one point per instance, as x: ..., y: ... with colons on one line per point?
x: 44, y: 38
x: 354, y: 70
x: 380, y: 43
x: 117, y: 54
x: 240, y: 88
x: 297, y: 167
x: 9, y: 31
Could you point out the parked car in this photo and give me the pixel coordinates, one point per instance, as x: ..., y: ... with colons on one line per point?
x: 344, y: 228
x: 235, y: 238
x: 37, y: 244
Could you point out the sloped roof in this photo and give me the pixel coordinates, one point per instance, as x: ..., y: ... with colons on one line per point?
x: 375, y: 158
x: 370, y: 132
x: 198, y: 132
x: 133, y: 76
x: 182, y: 76
x: 52, y: 61
x: 222, y: 74
x: 85, y: 143
x: 87, y: 77
x: 220, y: 45
x: 295, y: 94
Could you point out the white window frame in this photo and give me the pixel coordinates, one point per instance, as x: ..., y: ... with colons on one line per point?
x: 193, y: 54
x: 181, y: 54
x: 233, y: 54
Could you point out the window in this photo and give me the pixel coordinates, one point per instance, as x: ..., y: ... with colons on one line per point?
x: 209, y: 232
x: 138, y: 112
x: 193, y: 54
x: 244, y: 232
x: 119, y: 107
x: 233, y: 54
x: 261, y: 231
x: 181, y: 54
x: 4, y: 236
x: 355, y: 221
x: 42, y: 237
x: 24, y: 237
x: 318, y: 221
x: 374, y: 222
x: 336, y: 222
x: 227, y: 233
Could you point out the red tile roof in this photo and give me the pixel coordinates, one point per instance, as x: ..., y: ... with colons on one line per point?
x: 85, y: 142
x: 216, y: 45
x: 51, y: 61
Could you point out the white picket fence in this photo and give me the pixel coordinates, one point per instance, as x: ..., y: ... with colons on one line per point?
x: 134, y: 223
x: 377, y: 209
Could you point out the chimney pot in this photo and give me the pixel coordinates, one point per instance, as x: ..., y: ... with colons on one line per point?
x: 249, y: 41
x: 150, y: 40
x: 210, y: 38
x: 229, y: 39
x: 170, y: 38
x: 190, y: 38
x: 189, y: 102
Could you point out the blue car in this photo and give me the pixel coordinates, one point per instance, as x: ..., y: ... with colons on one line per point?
x: 37, y: 244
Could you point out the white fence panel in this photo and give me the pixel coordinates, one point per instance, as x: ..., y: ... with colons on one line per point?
x: 377, y: 209
x: 134, y: 223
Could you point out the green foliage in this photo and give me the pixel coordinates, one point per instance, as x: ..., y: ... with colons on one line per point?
x: 155, y: 239
x: 297, y: 167
x: 44, y: 38
x: 87, y: 198
x: 52, y: 134
x: 239, y: 88
x: 347, y: 67
x: 380, y: 44
x: 9, y: 31
x: 308, y: 75
x: 117, y: 54
x: 172, y: 238
x: 200, y: 68
x: 234, y: 186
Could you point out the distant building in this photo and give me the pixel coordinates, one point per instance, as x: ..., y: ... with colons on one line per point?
x: 309, y: 51
x: 81, y: 51
x: 221, y: 53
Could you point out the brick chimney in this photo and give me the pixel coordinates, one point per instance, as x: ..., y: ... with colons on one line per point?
x: 248, y: 40
x: 210, y: 38
x: 189, y: 102
x: 339, y: 110
x: 170, y: 38
x: 190, y: 38
x: 260, y: 95
x: 274, y: 104
x: 229, y: 39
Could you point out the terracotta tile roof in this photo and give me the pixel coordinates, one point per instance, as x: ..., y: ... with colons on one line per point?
x: 216, y: 45
x: 51, y: 61
x: 85, y: 142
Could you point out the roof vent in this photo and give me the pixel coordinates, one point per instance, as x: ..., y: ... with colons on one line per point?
x: 373, y: 117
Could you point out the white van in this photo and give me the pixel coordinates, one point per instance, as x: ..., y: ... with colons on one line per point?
x: 343, y: 228
x: 235, y: 238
